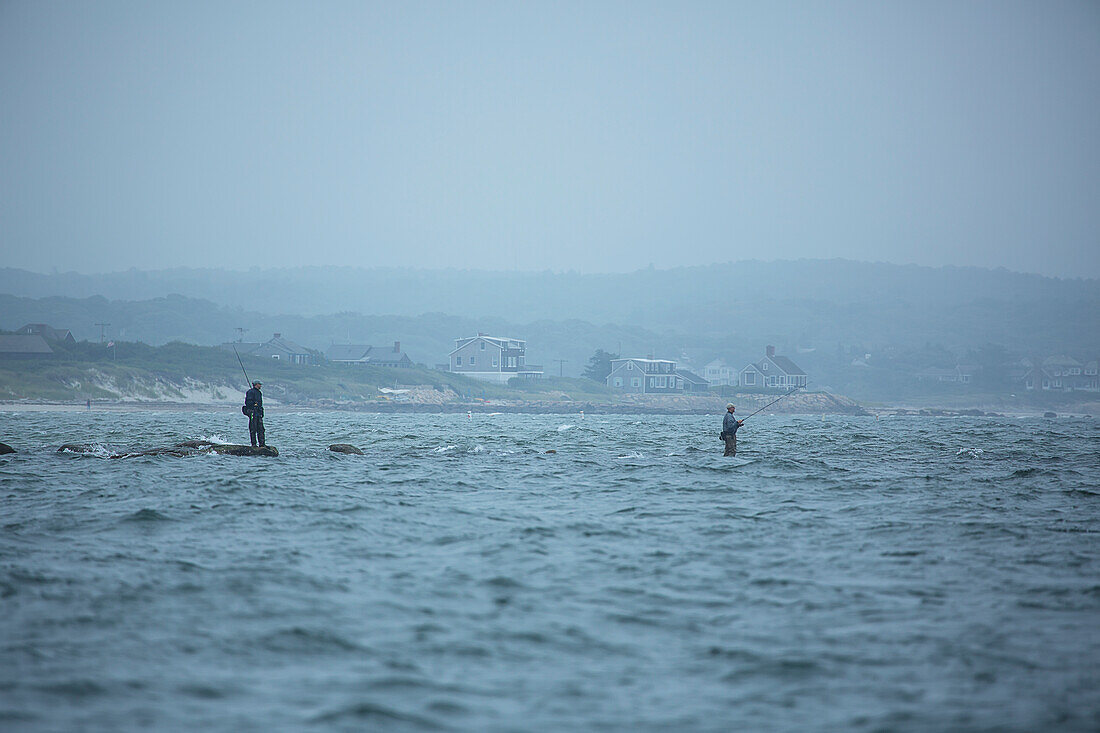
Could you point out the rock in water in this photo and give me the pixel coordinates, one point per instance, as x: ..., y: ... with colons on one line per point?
x: 345, y: 448
x: 226, y: 449
x: 6, y: 449
x: 245, y: 450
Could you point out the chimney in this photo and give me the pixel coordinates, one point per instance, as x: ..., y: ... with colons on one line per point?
x: 278, y: 335
x: 771, y: 350
x: 397, y: 347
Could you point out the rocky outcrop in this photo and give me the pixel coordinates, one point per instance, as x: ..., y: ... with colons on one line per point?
x: 77, y: 448
x: 227, y: 449
x: 186, y: 448
x: 6, y: 449
x: 345, y: 448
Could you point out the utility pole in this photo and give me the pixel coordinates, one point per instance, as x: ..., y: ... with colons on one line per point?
x: 240, y: 333
x: 102, y: 331
x: 561, y: 368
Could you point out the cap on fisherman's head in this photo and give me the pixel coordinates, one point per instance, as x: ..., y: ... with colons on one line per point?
x: 257, y: 383
x: 729, y: 406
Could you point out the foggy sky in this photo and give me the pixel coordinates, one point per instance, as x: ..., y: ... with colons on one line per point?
x: 590, y: 136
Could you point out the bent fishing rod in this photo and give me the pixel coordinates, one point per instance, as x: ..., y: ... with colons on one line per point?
x: 774, y: 401
x: 246, y: 379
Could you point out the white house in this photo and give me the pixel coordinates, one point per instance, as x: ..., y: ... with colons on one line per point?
x: 719, y: 373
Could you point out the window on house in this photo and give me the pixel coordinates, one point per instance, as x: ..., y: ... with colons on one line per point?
x: 275, y: 356
x: 636, y: 382
x: 749, y: 378
x: 618, y: 381
x: 458, y: 361
x: 483, y: 346
x: 630, y: 365
x: 494, y: 361
x: 764, y: 366
x: 473, y: 360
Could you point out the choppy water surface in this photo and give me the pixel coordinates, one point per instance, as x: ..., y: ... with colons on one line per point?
x: 845, y: 573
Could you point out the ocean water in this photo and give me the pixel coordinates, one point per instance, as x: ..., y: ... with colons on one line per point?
x: 839, y: 574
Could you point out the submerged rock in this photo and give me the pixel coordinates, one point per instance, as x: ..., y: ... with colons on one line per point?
x: 345, y: 448
x: 76, y: 448
x: 5, y: 449
x: 177, y: 451
x: 227, y: 449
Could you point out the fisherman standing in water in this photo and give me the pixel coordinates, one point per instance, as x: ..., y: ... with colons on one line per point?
x: 254, y: 408
x: 729, y: 430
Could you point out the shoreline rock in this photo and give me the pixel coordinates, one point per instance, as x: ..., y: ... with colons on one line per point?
x: 345, y: 448
x: 179, y: 450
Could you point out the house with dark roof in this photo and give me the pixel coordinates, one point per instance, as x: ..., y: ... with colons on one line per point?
x: 492, y: 358
x: 691, y: 383
x: 277, y: 348
x: 365, y: 354
x: 23, y: 346
x: 635, y: 375
x: 47, y: 332
x: 772, y: 372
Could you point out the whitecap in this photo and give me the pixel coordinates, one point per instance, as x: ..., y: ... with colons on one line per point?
x: 212, y: 438
x: 970, y: 452
x: 444, y: 449
x: 563, y: 428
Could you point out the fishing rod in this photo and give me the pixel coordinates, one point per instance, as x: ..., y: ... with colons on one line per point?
x: 774, y: 401
x: 247, y: 381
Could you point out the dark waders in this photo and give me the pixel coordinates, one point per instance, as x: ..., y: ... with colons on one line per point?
x: 731, y: 444
x: 256, y: 427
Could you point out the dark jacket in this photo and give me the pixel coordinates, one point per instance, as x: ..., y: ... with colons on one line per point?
x: 730, y: 424
x: 254, y: 401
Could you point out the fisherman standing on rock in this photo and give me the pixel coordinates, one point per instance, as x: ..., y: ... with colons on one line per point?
x: 254, y: 408
x: 729, y: 430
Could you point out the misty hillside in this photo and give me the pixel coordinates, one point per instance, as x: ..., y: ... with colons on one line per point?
x: 805, y: 303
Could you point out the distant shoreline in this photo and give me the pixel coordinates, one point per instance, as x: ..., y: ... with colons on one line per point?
x: 527, y: 409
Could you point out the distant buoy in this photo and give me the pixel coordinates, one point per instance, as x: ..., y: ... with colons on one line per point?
x: 582, y: 414
x: 469, y: 414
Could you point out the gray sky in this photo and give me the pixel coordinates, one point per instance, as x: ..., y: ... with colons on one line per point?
x: 588, y: 136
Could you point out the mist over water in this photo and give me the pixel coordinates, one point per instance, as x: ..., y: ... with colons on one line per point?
x: 839, y: 573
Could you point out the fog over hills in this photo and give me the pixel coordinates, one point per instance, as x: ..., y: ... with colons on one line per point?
x: 721, y: 298
x: 823, y: 310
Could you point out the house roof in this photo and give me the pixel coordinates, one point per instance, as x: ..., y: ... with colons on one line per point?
x: 1061, y: 360
x: 23, y: 344
x: 499, y: 342
x: 348, y: 352
x: 786, y: 365
x: 45, y: 331
x: 691, y: 377
x: 647, y: 361
x: 285, y: 344
x: 388, y: 356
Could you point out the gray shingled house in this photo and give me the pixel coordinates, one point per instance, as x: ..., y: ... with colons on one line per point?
x: 772, y: 372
